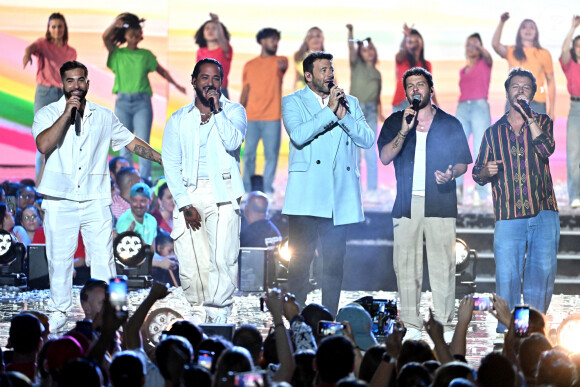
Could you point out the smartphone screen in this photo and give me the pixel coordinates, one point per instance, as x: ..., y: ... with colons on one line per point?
x: 482, y: 303
x: 327, y: 328
x: 249, y: 379
x: 522, y: 320
x: 205, y: 359
x: 118, y: 294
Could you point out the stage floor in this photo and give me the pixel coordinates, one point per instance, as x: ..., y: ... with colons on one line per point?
x: 246, y: 310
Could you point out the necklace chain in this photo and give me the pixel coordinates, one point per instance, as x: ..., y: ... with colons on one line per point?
x: 207, y: 119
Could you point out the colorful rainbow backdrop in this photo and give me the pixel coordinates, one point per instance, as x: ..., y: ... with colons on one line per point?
x: 171, y: 24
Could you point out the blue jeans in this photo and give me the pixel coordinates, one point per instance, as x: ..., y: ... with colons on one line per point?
x: 475, y: 118
x: 44, y: 95
x: 270, y: 133
x: 136, y: 113
x: 573, y: 150
x: 526, y: 248
x: 370, y: 112
x: 304, y: 232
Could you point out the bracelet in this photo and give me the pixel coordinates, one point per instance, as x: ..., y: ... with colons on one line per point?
x: 403, y: 136
x: 531, y: 121
x: 387, y: 358
x: 185, y: 207
x: 217, y: 111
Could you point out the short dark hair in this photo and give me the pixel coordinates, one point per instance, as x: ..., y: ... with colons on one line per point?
x: 204, y: 61
x: 91, y: 284
x: 71, y: 65
x: 334, y: 359
x: 265, y: 33
x: 187, y: 330
x: 25, y: 332
x: 113, y: 163
x: 170, y: 349
x: 520, y: 72
x: 249, y: 337
x: 122, y: 176
x: 308, y: 64
x: 126, y: 370
x: 496, y: 371
x: 418, y: 71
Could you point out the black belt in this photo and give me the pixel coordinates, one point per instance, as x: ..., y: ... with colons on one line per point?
x: 575, y: 99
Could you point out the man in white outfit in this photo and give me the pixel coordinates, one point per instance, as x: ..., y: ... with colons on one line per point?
x: 201, y: 144
x: 76, y: 184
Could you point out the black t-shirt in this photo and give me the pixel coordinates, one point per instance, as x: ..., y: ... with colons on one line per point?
x: 261, y: 233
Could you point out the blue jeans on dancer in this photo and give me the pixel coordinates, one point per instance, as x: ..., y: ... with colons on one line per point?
x: 475, y: 118
x: 573, y: 151
x: 526, y: 248
x: 270, y: 133
x: 136, y: 113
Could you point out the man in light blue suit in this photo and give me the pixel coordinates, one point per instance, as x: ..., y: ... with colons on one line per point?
x: 323, y: 195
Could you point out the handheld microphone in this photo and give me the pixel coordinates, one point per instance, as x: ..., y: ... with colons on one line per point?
x: 341, y: 100
x: 73, y: 117
x: 211, y: 103
x: 415, y: 106
x: 526, y: 107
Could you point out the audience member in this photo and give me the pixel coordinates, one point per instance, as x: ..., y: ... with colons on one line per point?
x: 189, y: 331
x: 25, y: 338
x: 447, y: 372
x: 360, y: 323
x: 127, y: 370
x: 495, y: 370
x: 370, y: 362
x: 126, y: 178
x: 304, y: 373
x: 555, y: 369
x: 413, y: 375
x: 196, y: 376
x: 312, y: 314
x: 231, y: 361
x: 248, y: 337
x: 165, y: 265
x: 530, y: 350
x: 115, y: 164
x: 137, y: 218
x: 334, y: 360
x: 26, y: 196
x: 163, y: 214
x: 172, y: 354
x: 79, y: 369
x: 92, y: 297
x: 30, y: 220
x: 259, y: 231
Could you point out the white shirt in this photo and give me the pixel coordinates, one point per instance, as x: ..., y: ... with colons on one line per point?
x: 323, y: 103
x: 181, y: 151
x: 419, y: 167
x: 78, y: 169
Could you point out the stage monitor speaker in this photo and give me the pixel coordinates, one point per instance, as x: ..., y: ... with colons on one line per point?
x: 225, y: 330
x: 256, y: 268
x: 37, y: 267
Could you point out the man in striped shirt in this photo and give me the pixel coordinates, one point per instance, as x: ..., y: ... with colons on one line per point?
x: 514, y: 158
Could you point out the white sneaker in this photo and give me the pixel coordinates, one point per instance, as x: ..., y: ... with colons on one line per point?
x: 412, y: 334
x: 575, y: 203
x: 57, y: 321
x: 448, y: 336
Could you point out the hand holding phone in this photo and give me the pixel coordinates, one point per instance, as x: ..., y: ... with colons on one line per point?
x: 327, y: 328
x: 522, y: 320
x: 118, y: 295
x: 205, y: 359
x: 482, y: 303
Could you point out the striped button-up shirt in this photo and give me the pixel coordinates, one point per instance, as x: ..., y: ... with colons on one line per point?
x: 523, y: 186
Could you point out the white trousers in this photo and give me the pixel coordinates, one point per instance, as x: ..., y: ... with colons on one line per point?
x: 62, y: 221
x: 208, y: 257
x: 408, y: 263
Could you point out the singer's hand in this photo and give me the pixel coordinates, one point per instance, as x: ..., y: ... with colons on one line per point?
x: 73, y: 102
x: 406, y: 127
x: 520, y: 109
x: 213, y: 94
x: 505, y: 16
x: 491, y: 169
x: 444, y: 177
x: 192, y: 218
x: 335, y: 94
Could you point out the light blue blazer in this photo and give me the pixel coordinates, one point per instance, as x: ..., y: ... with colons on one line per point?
x: 323, y: 175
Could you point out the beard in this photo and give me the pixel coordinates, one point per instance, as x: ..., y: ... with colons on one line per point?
x: 320, y: 86
x: 271, y: 51
x: 199, y: 93
x: 69, y: 94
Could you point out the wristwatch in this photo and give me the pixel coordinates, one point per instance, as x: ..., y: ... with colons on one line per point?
x: 185, y: 207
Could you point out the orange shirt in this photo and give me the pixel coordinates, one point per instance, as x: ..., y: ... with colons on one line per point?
x: 539, y: 62
x: 264, y: 80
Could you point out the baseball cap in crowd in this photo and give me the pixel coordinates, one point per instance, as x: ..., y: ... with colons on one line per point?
x: 141, y: 189
x: 360, y: 323
x: 61, y: 350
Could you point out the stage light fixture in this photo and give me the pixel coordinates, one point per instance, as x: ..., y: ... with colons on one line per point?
x: 569, y: 333
x: 11, y: 261
x: 284, y: 252
x: 133, y: 258
x: 158, y: 321
x: 465, y: 268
